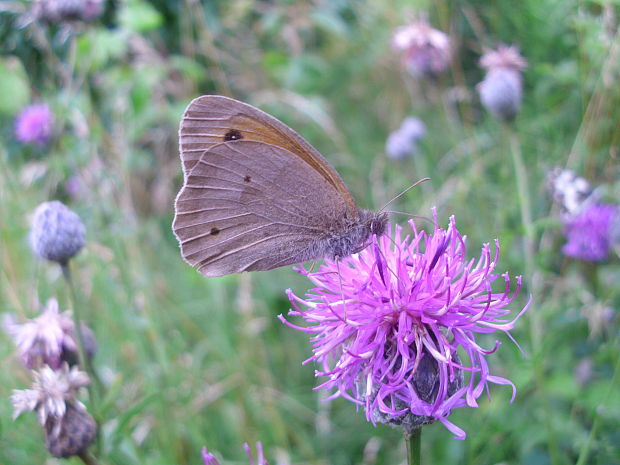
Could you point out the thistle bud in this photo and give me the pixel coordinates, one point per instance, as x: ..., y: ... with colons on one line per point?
x: 426, y: 50
x: 501, y: 90
x: 69, y: 428
x: 57, y: 233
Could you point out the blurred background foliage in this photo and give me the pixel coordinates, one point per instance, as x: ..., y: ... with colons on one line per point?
x: 191, y: 361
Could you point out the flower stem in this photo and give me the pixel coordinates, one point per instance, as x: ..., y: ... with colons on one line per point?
x: 88, y: 458
x: 412, y: 439
x: 85, y: 362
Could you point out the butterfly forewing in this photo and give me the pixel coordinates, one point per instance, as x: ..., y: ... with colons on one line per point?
x: 251, y: 206
x: 213, y: 119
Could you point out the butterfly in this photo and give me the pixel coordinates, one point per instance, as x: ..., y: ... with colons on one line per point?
x: 257, y: 196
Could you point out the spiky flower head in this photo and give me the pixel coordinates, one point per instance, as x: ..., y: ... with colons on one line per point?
x: 403, y: 142
x: 49, y: 339
x: 57, y: 233
x: 34, y: 124
x: 501, y: 91
x: 209, y: 459
x: 69, y: 428
x: 61, y: 11
x: 589, y: 233
x: 387, y: 324
x: 426, y: 50
x: 568, y: 190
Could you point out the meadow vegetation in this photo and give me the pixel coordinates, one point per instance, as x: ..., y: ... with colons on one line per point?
x: 189, y: 361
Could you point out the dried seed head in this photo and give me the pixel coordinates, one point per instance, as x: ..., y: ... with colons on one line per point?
x: 569, y: 191
x: 61, y: 11
x: 76, y: 432
x: 69, y: 428
x: 49, y: 339
x: 426, y: 50
x: 57, y: 233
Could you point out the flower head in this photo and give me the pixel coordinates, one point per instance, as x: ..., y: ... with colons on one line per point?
x: 501, y: 90
x: 209, y: 459
x: 426, y: 50
x: 69, y: 428
x: 568, y: 190
x: 49, y: 339
x: 34, y: 124
x: 57, y: 233
x: 60, y: 11
x: 589, y: 233
x: 387, y: 324
x: 403, y: 142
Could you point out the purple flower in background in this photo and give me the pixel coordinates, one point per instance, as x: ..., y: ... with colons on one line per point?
x: 588, y: 234
x: 34, y: 124
x: 209, y: 459
x: 502, y: 88
x: 426, y: 50
x: 403, y: 142
x: 387, y: 324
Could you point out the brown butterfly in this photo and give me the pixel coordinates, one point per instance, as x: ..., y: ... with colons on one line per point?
x: 257, y: 196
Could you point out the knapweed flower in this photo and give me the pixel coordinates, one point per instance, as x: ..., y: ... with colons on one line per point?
x: 588, y: 234
x: 60, y: 11
x: 209, y: 459
x: 387, y: 325
x: 34, y: 125
x: 426, y: 51
x: 403, y: 142
x: 69, y: 428
x: 49, y: 339
x: 502, y: 88
x: 568, y: 190
x: 57, y: 233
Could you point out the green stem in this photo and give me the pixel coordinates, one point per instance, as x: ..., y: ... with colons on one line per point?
x: 88, y: 458
x: 84, y: 361
x: 585, y: 449
x: 529, y: 251
x: 413, y: 441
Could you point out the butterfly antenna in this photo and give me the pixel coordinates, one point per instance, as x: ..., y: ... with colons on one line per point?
x: 404, y: 192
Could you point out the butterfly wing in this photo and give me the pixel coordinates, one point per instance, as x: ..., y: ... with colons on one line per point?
x: 213, y: 119
x: 253, y: 206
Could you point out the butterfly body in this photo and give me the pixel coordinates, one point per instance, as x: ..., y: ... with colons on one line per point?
x: 257, y: 196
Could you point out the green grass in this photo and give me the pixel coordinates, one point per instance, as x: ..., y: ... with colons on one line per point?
x: 189, y: 361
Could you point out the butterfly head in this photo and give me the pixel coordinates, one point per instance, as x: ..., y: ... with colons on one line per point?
x: 377, y: 223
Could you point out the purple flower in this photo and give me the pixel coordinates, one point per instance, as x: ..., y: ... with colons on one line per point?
x: 387, y: 324
x: 588, y: 233
x: 209, y: 459
x: 34, y: 125
x: 403, y: 142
